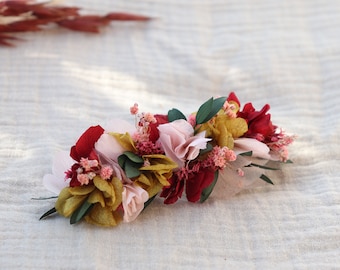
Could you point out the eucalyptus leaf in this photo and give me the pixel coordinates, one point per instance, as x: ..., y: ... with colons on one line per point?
x: 207, y: 149
x: 147, y: 203
x: 130, y: 163
x: 263, y: 167
x: 131, y: 169
x: 207, y: 191
x: 49, y: 212
x: 266, y: 179
x: 121, y: 160
x: 133, y: 157
x: 81, y: 212
x: 247, y: 154
x: 175, y: 114
x: 44, y: 198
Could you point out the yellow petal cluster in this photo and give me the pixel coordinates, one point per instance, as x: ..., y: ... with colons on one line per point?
x: 106, y: 196
x: 223, y: 129
x: 155, y: 175
x: 125, y: 141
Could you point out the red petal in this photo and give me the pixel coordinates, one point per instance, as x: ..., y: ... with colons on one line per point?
x: 153, y: 130
x: 232, y: 97
x: 85, y: 143
x: 196, y: 183
x: 173, y: 192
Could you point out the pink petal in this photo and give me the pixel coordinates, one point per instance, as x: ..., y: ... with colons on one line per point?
x: 54, y: 184
x: 61, y: 163
x: 108, y: 146
x: 258, y: 148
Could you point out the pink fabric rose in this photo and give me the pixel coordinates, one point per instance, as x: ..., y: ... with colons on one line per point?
x: 133, y: 199
x: 179, y: 143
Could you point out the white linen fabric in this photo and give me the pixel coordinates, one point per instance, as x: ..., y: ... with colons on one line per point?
x: 57, y: 83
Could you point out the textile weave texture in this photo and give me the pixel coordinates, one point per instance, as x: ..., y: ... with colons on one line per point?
x: 57, y: 83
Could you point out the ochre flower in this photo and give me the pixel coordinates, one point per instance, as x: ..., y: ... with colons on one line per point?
x: 105, y: 196
x: 155, y: 174
x: 223, y: 129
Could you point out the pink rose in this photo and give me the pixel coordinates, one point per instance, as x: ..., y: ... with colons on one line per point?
x: 179, y: 143
x: 133, y: 199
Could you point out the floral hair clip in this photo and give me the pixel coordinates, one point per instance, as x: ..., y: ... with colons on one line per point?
x: 112, y: 173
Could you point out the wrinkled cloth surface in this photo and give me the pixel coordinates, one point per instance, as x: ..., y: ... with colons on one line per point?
x: 57, y: 83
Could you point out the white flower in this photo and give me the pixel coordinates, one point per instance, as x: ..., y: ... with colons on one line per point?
x: 56, y: 181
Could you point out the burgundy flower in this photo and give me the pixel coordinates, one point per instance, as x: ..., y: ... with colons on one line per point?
x: 85, y: 144
x: 72, y: 174
x: 260, y: 126
x: 173, y: 192
x: 153, y: 127
x: 197, y: 183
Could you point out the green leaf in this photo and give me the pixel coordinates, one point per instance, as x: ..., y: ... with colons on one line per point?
x: 266, y: 179
x: 288, y: 161
x: 49, y: 212
x: 133, y: 157
x: 175, y: 114
x: 121, y: 160
x: 263, y: 167
x: 147, y: 203
x: 247, y: 154
x: 81, y: 212
x: 216, y: 106
x: 131, y: 169
x: 207, y: 191
x: 206, y: 150
x: 130, y: 163
x: 204, y: 111
x: 44, y: 198
x: 209, y: 109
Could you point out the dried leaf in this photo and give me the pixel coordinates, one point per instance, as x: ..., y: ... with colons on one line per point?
x: 4, y: 40
x: 30, y: 16
x: 116, y: 16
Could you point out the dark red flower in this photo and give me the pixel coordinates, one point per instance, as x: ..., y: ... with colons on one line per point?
x: 197, y: 183
x: 153, y: 127
x: 85, y: 144
x: 72, y: 174
x: 173, y: 192
x: 260, y: 126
